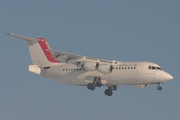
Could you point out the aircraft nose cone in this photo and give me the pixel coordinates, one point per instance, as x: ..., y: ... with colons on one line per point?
x: 171, y: 77
x: 168, y: 77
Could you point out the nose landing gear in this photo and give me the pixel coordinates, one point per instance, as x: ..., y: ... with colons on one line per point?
x: 159, y: 87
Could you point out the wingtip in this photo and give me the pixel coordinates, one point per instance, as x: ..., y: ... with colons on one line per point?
x: 9, y: 33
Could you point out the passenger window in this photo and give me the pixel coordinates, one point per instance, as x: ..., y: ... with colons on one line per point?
x: 134, y: 67
x: 125, y: 68
x: 122, y: 67
x: 128, y: 67
x: 131, y: 67
x: 119, y: 67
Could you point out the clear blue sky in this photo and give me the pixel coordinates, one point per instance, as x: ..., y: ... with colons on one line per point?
x: 125, y: 30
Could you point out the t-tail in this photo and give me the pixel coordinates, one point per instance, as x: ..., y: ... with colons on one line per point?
x: 39, y: 52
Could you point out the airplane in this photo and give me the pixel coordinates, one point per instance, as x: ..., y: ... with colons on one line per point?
x: 88, y: 71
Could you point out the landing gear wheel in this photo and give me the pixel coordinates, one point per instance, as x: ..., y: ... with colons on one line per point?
x: 114, y: 87
x: 91, y: 86
x: 108, y: 92
x: 98, y: 84
x: 159, y: 88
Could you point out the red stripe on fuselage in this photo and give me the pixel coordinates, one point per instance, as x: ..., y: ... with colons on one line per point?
x: 45, y: 49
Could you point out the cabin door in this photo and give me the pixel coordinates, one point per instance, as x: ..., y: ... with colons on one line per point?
x: 139, y: 69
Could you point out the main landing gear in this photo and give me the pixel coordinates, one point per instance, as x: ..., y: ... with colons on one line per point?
x: 97, y: 83
x: 109, y: 91
x: 159, y: 87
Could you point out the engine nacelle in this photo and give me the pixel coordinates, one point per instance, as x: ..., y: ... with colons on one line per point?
x: 91, y: 66
x: 106, y: 69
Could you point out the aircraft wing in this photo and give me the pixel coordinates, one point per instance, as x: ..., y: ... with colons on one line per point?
x: 63, y: 56
x: 74, y: 58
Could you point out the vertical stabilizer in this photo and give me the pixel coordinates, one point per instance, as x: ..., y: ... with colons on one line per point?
x: 39, y: 50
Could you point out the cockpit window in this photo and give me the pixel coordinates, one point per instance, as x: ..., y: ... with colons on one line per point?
x: 158, y: 68
x: 153, y: 68
x: 149, y: 67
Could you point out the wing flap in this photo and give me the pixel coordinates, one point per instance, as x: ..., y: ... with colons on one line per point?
x: 66, y: 57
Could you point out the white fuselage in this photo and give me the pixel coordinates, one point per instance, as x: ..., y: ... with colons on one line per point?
x: 124, y: 73
x: 89, y: 71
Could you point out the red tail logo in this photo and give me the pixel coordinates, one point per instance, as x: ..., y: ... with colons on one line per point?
x: 45, y: 49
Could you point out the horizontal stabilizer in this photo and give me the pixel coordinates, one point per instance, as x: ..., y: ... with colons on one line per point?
x: 24, y: 37
x: 35, y: 69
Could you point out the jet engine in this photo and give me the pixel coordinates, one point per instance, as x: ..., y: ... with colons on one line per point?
x: 106, y: 69
x: 91, y: 65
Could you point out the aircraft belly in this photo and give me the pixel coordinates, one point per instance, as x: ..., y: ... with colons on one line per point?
x: 122, y: 80
x: 117, y: 79
x: 79, y: 78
